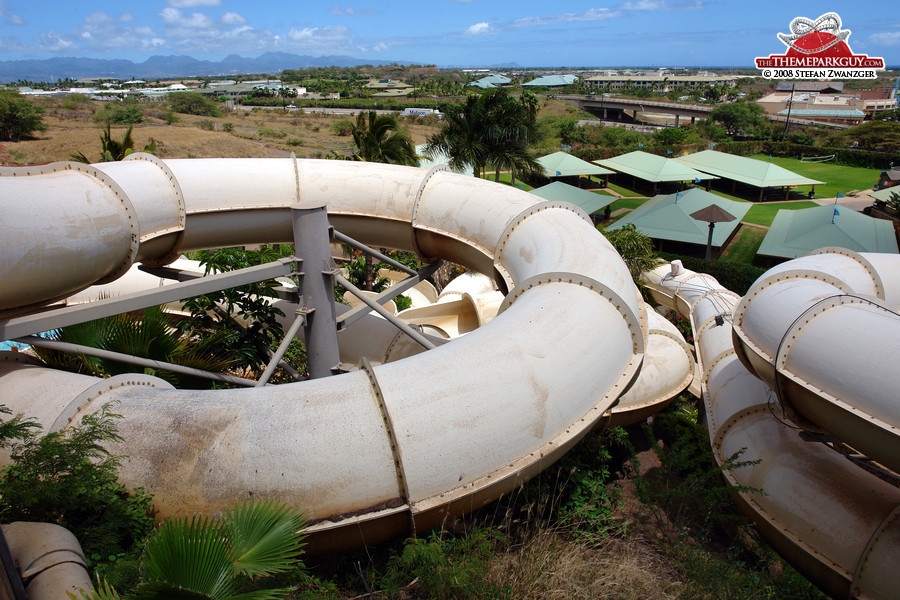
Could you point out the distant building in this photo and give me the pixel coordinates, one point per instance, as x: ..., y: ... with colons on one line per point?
x: 848, y: 117
x: 829, y: 107
x: 656, y: 82
x: 889, y: 179
x: 491, y: 81
x: 552, y: 81
x: 820, y: 87
x: 387, y: 84
x: 388, y: 88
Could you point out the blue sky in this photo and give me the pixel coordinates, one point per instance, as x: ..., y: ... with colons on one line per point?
x: 442, y: 32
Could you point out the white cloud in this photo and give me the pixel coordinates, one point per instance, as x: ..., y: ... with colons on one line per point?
x: 192, y: 3
x: 173, y: 17
x: 646, y: 5
x: 10, y: 18
x: 480, y: 29
x: 51, y: 41
x: 337, y: 10
x: 232, y: 18
x: 886, y: 39
x: 321, y: 39
x: 102, y: 30
x: 153, y: 43
x: 662, y: 5
x: 126, y: 17
x: 592, y: 14
x: 604, y: 14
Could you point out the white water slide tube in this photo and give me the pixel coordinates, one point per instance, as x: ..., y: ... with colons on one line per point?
x: 823, y: 332
x: 380, y: 451
x: 369, y: 454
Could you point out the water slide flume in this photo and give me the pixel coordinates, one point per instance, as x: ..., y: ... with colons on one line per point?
x: 372, y: 453
x: 396, y: 447
x: 814, y: 328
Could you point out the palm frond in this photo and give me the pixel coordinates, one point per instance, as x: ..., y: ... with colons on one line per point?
x: 165, y: 591
x: 102, y: 591
x: 188, y: 555
x: 266, y: 537
x: 79, y: 157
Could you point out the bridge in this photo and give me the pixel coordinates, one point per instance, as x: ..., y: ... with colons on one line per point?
x: 625, y: 109
x: 607, y: 108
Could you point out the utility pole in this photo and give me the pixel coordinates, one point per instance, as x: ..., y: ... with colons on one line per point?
x: 787, y: 122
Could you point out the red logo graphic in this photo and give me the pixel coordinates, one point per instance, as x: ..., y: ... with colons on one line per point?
x: 821, y: 45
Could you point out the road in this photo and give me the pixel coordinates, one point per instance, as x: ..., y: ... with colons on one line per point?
x: 323, y: 110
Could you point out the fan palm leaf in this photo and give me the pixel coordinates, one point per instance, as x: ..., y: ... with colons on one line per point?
x: 265, y: 537
x: 102, y: 591
x: 189, y: 555
x: 149, y: 335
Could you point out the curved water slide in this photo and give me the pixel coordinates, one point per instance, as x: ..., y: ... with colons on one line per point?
x: 373, y: 453
x: 395, y: 447
x: 821, y: 331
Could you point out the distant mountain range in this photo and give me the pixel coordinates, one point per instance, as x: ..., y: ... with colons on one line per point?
x: 162, y: 67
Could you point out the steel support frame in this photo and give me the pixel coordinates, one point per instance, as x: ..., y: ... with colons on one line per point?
x: 341, y: 237
x: 34, y: 340
x: 358, y: 312
x: 70, y: 315
x: 312, y: 241
x: 404, y: 327
x: 312, y: 234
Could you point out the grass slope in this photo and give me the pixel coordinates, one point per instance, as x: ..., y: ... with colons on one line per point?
x: 764, y: 214
x: 838, y: 179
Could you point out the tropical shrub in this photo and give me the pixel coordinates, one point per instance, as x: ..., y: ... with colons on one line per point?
x: 120, y: 113
x: 69, y: 478
x: 219, y: 559
x: 148, y: 335
x: 19, y: 118
x: 193, y: 103
x: 219, y: 313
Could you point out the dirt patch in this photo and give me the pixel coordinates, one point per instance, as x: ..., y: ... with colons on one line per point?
x: 238, y: 134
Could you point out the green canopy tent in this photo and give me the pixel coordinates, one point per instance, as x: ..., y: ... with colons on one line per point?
x: 668, y: 218
x: 653, y: 168
x: 798, y: 232
x: 750, y: 171
x: 589, y: 202
x: 885, y: 194
x: 563, y: 164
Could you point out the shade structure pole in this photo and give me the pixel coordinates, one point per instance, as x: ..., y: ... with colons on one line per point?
x: 712, y: 226
x: 311, y: 240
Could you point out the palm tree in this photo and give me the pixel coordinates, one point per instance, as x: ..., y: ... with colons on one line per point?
x: 635, y: 248
x: 378, y: 138
x: 515, y: 127
x: 461, y: 138
x: 491, y: 128
x: 208, y: 559
x: 112, y: 150
x: 149, y: 335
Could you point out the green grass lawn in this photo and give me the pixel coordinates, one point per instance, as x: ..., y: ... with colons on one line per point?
x: 505, y: 178
x: 838, y: 179
x: 624, y: 191
x: 744, y: 245
x: 631, y: 203
x: 764, y: 214
x: 728, y: 196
